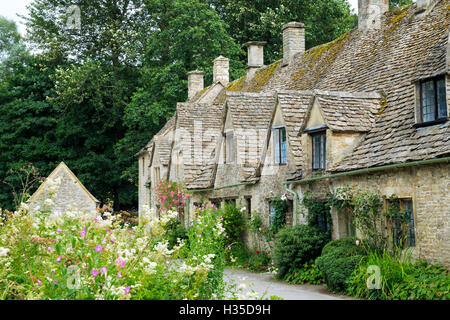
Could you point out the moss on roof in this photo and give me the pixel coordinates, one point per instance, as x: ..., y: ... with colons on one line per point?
x: 262, y: 77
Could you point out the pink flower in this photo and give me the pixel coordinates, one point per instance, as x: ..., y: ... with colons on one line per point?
x: 122, y: 264
x: 119, y: 274
x: 104, y: 241
x: 50, y: 249
x: 94, y: 273
x: 55, y: 281
x: 82, y: 234
x: 39, y: 282
x: 98, y: 248
x: 103, y: 270
x: 59, y: 230
x: 172, y: 193
x: 96, y: 219
x: 58, y: 259
x: 169, y: 186
x: 127, y: 289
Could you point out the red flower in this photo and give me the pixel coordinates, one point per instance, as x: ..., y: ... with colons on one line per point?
x: 257, y: 252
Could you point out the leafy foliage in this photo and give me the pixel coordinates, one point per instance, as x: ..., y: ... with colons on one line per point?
x: 295, y: 247
x: 278, y: 220
x: 319, y: 215
x: 308, y: 273
x: 338, y: 260
x: 262, y: 20
x: 233, y: 222
x: 400, y: 279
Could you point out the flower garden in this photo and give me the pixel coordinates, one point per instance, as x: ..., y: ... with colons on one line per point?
x: 79, y: 255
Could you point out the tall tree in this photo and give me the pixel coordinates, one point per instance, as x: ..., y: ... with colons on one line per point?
x: 27, y: 122
x: 262, y: 20
x: 179, y: 36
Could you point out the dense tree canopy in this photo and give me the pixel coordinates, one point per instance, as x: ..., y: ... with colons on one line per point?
x: 104, y: 76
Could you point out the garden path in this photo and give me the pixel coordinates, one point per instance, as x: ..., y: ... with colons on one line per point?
x: 265, y: 282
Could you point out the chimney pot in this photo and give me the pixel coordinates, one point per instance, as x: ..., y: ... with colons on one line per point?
x: 255, y: 53
x: 370, y: 13
x: 221, y: 70
x: 195, y: 83
x: 293, y: 40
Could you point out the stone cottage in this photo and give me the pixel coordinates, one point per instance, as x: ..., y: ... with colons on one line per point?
x: 369, y: 110
x: 65, y: 191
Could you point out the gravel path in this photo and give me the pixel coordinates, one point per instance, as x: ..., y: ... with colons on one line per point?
x: 264, y: 283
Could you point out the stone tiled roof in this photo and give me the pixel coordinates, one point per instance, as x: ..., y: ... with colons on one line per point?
x: 294, y: 106
x: 349, y: 112
x: 164, y: 148
x: 251, y: 115
x: 389, y: 60
x: 199, y: 128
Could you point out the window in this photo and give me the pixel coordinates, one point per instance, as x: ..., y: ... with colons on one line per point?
x: 433, y: 101
x: 229, y: 148
x: 230, y: 201
x: 157, y: 174
x: 279, y: 143
x: 248, y: 199
x: 404, y: 232
x: 319, y: 150
x: 216, y: 202
x: 272, y: 213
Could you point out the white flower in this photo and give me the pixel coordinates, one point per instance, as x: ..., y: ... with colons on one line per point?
x: 243, y: 209
x: 283, y: 197
x: 3, y: 251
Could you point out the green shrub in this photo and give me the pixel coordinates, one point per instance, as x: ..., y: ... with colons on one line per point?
x: 338, y: 261
x: 233, y: 223
x: 400, y: 279
x: 237, y: 254
x: 309, y: 273
x: 296, y: 246
x: 175, y: 230
x: 348, y: 244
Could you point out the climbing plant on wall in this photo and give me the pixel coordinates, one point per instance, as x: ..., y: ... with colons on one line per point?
x: 278, y: 219
x: 318, y: 213
x: 372, y: 218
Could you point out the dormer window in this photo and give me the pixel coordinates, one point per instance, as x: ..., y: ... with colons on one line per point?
x: 319, y: 140
x: 433, y: 101
x: 279, y: 144
x: 229, y: 147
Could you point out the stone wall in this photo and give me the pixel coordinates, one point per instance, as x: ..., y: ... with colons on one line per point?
x: 69, y: 195
x: 428, y: 187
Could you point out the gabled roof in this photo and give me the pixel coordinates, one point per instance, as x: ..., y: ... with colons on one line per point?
x: 349, y: 112
x: 251, y: 114
x: 294, y: 106
x: 163, y: 148
x: 198, y: 130
x: 61, y: 166
x: 406, y: 49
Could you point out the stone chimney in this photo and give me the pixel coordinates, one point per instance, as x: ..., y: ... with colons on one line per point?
x: 195, y: 83
x: 293, y: 40
x: 221, y: 70
x: 255, y: 53
x: 423, y: 7
x: 370, y: 13
x: 255, y: 57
